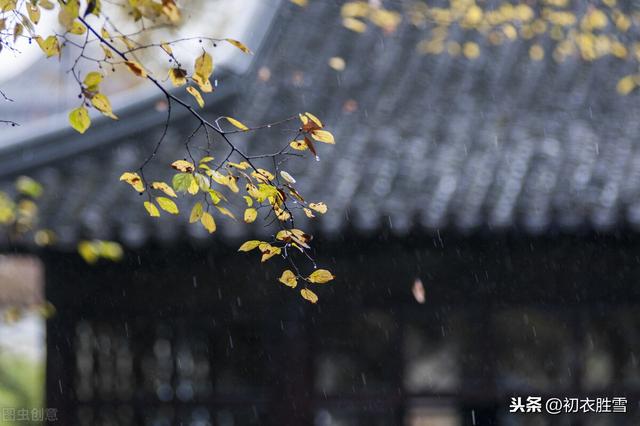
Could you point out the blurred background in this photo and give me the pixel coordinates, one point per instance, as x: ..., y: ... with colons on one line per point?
x: 484, y: 207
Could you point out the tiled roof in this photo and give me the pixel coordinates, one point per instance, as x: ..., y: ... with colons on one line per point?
x: 436, y: 142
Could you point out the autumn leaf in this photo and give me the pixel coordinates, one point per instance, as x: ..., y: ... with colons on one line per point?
x: 136, y: 68
x: 167, y: 205
x: 626, y: 84
x: 197, y: 96
x: 314, y: 119
x: 34, y: 13
x: 268, y: 252
x: 196, y: 213
x: 161, y: 186
x: 49, y: 46
x: 249, y: 245
x: 250, y: 215
x: 239, y: 45
x: 299, y: 145
x: 242, y: 165
x: 287, y: 177
x: 151, y: 209
x: 202, y: 71
x: 178, y: 77
x: 308, y: 213
x: 309, y: 295
x: 226, y: 212
x: 183, y: 166
x: 323, y: 136
x: 102, y: 104
x: 320, y: 276
x: 237, y: 124
x: 319, y: 207
x: 79, y: 119
x: 289, y: 279
x: 134, y: 180
x: 92, y: 80
x: 208, y: 222
x: 181, y: 182
x: 28, y: 186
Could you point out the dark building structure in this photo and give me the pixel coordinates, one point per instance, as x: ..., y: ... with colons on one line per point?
x: 509, y: 187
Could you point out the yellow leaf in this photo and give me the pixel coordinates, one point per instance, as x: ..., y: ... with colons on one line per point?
x: 34, y: 13
x: 193, y: 187
x: 242, y: 166
x: 49, y: 46
x: 337, y: 63
x: 309, y: 295
x: 320, y: 276
x: 471, y: 50
x: 354, y: 25
x: 319, y: 207
x: 183, y: 166
x: 88, y: 251
x: 249, y: 200
x: 249, y: 245
x: 196, y: 213
x: 309, y: 213
x: 166, y: 47
x: 269, y: 252
x: 152, y: 209
x: 161, y: 186
x: 322, y: 136
x: 107, y: 52
x: 171, y: 11
x: 198, y: 97
x: 202, y: 72
x: 299, y: 145
x: 102, y: 104
x: 136, y: 68
x: 79, y: 119
x: 626, y: 85
x: 77, y: 28
x: 301, y: 3
x: 226, y: 212
x: 208, y: 222
x: 206, y: 159
x: 287, y: 177
x: 250, y: 215
x: 289, y: 279
x: 92, y: 80
x: 314, y: 119
x: 239, y: 45
x: 263, y: 175
x: 237, y: 124
x: 167, y: 205
x: 178, y: 77
x: 134, y: 180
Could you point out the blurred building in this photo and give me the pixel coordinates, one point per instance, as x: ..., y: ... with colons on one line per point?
x: 482, y: 223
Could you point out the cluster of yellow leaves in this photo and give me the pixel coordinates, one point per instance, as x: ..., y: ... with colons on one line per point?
x: 203, y: 69
x: 259, y: 188
x: 599, y: 30
x: 319, y: 276
x: 94, y: 250
x: 312, y: 129
x: 356, y: 14
x: 288, y: 278
x: 166, y: 10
